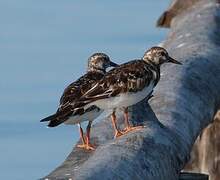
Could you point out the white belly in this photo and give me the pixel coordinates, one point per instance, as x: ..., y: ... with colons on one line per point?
x: 123, y: 100
x: 89, y: 116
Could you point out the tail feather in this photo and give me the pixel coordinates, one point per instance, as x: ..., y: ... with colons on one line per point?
x: 49, y: 118
x: 56, y: 122
x: 58, y: 118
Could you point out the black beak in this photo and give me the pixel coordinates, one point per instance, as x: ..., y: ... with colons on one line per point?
x: 174, y: 61
x: 112, y: 64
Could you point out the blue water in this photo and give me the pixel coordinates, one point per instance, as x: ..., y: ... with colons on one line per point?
x: 44, y: 45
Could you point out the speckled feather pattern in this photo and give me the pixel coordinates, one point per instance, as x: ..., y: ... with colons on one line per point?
x: 130, y: 77
x: 97, y: 65
x: 70, y: 97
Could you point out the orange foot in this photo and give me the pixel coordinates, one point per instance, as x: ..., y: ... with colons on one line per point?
x: 86, y: 146
x: 128, y: 129
x: 118, y: 134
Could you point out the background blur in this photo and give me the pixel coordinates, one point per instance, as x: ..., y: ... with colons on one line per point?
x: 44, y: 45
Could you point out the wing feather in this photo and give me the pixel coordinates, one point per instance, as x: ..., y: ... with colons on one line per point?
x: 69, y: 98
x: 129, y: 77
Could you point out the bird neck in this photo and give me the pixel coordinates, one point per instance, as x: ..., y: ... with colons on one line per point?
x: 95, y: 69
x: 152, y: 64
x: 154, y: 67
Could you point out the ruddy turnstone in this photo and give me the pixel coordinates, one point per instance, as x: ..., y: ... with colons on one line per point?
x: 127, y: 85
x: 97, y: 65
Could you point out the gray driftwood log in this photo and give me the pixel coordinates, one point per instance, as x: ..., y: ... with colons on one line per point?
x: 205, y: 156
x: 185, y: 100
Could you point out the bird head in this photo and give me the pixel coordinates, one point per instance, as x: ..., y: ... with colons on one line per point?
x: 100, y: 62
x: 158, y: 56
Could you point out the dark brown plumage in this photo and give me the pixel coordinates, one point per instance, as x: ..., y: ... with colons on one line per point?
x: 127, y: 84
x: 129, y: 77
x: 97, y: 65
x: 66, y: 113
x: 70, y: 96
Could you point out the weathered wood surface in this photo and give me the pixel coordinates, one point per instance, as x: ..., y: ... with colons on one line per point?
x: 184, y: 102
x: 205, y: 156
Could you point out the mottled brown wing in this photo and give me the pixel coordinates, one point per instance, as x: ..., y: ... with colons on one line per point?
x: 76, y: 89
x: 129, y: 77
x: 70, y: 96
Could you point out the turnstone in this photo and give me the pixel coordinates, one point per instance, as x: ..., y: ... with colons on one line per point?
x: 127, y: 85
x: 97, y: 65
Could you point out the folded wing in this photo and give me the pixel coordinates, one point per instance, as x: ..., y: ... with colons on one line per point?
x: 69, y: 99
x: 129, y: 77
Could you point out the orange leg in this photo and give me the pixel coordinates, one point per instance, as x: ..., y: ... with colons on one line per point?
x: 81, y: 137
x: 128, y: 126
x: 88, y: 144
x: 85, y: 144
x: 117, y: 132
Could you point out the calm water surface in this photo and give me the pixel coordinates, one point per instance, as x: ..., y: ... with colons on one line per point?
x: 44, y: 45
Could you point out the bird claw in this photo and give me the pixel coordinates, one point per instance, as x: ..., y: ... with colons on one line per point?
x: 86, y: 146
x: 118, y: 134
x: 128, y: 129
x: 90, y: 147
x: 81, y: 145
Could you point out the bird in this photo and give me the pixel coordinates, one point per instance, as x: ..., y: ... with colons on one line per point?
x: 126, y: 85
x: 97, y: 65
